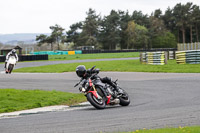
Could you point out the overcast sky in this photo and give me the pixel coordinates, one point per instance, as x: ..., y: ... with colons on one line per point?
x: 35, y: 16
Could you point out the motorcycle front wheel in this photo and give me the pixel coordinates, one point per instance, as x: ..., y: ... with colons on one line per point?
x: 97, y: 103
x: 10, y: 68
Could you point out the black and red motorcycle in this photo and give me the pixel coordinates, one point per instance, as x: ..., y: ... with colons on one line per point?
x: 100, y: 94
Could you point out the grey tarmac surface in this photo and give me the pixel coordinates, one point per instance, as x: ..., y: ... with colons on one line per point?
x: 157, y: 100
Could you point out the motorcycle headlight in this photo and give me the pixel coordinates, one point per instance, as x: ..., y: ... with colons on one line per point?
x: 83, y: 89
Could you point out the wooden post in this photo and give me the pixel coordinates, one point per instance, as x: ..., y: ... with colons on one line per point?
x: 168, y: 54
x: 141, y: 57
x: 166, y: 57
x: 174, y: 54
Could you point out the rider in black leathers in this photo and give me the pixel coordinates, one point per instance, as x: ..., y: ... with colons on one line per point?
x: 82, y: 72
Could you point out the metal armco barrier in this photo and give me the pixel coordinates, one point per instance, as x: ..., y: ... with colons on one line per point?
x: 27, y: 57
x: 188, y: 57
x: 154, y: 58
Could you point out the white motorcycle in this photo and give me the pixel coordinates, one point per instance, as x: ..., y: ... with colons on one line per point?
x: 10, y: 64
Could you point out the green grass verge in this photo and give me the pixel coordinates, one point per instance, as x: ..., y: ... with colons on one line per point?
x: 122, y: 65
x: 192, y: 129
x: 93, y: 56
x: 14, y: 100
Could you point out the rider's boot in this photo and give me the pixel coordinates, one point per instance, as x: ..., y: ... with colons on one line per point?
x: 116, y: 88
x: 109, y: 81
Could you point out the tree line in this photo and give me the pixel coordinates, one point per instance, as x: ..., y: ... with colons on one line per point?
x: 122, y: 30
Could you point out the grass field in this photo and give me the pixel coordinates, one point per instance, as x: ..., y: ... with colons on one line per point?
x: 193, y: 129
x: 93, y: 56
x: 14, y: 100
x: 122, y: 65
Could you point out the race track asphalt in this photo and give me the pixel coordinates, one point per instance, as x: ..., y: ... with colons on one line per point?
x: 157, y: 100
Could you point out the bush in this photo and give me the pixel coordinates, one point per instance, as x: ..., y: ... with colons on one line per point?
x: 166, y: 40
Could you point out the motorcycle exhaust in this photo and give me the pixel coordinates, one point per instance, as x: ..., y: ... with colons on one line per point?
x: 115, y: 101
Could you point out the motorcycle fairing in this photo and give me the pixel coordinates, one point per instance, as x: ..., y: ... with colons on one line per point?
x: 108, y: 101
x: 94, y: 93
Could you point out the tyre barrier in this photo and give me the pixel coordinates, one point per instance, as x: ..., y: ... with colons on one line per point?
x: 57, y: 52
x: 188, y: 57
x: 27, y: 57
x: 154, y: 58
x: 171, y: 55
x: 99, y: 51
x: 2, y: 58
x: 71, y: 52
x: 127, y: 50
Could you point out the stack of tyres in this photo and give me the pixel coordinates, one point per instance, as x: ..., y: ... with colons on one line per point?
x: 143, y: 58
x: 188, y: 57
x: 171, y: 55
x: 2, y: 58
x: 180, y: 57
x: 155, y: 58
x: 198, y: 57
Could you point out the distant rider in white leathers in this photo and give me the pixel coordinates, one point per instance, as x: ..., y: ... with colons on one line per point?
x: 11, y: 53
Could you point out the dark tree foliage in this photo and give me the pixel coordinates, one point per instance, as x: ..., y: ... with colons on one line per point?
x: 140, y: 18
x: 124, y: 19
x: 89, y: 33
x: 56, y: 37
x: 110, y: 31
x: 57, y: 34
x: 124, y: 30
x: 41, y: 39
x: 74, y: 33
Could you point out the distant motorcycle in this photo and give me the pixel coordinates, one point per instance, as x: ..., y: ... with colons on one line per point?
x: 100, y: 94
x: 10, y: 64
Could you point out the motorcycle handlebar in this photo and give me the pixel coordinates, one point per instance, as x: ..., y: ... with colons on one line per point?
x: 92, y: 68
x: 76, y: 84
x: 82, y: 80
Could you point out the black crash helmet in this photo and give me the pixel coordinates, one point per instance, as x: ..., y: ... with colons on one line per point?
x: 80, y: 70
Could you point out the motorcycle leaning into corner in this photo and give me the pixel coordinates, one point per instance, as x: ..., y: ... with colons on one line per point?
x: 10, y: 64
x: 100, y: 94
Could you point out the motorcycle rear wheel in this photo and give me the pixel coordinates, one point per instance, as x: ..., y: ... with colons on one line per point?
x: 124, y: 99
x: 97, y: 103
